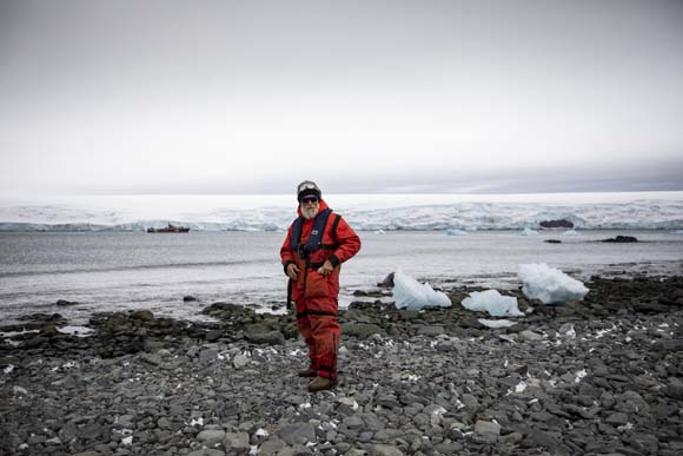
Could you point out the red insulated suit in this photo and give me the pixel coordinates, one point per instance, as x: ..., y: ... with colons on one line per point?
x: 316, y: 295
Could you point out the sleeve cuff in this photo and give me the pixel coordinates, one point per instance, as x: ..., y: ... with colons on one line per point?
x: 334, y: 260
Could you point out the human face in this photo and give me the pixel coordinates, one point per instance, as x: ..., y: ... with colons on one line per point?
x: 309, y: 207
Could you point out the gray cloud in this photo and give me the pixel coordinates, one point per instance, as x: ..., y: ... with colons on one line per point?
x: 369, y: 96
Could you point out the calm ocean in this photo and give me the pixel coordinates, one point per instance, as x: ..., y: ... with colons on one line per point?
x: 106, y: 271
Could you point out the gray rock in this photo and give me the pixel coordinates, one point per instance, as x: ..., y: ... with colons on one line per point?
x: 297, y: 433
x: 431, y: 331
x: 208, y: 355
x: 214, y: 335
x: 385, y: 450
x: 163, y: 423
x: 353, y: 422
x: 127, y: 421
x: 617, y: 418
x: 539, y: 437
x: 361, y: 330
x: 151, y: 358
x: 266, y: 338
x: 674, y: 391
x: 470, y: 401
x: 210, y: 437
x: 487, y: 431
x: 68, y: 432
x: 240, y: 361
x: 530, y: 336
x: 236, y: 443
x: 297, y: 450
x: 271, y: 446
x: 202, y: 452
x: 631, y: 402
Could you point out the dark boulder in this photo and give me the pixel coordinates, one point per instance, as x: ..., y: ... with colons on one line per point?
x: 388, y: 281
x: 142, y: 315
x: 621, y: 239
x: 361, y: 330
x: 265, y: 338
x: 553, y: 241
x: 64, y: 303
x: 189, y: 298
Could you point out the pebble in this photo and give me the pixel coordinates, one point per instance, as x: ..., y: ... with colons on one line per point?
x: 405, y: 387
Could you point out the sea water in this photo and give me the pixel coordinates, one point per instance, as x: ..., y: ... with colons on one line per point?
x: 94, y: 250
x: 107, y: 271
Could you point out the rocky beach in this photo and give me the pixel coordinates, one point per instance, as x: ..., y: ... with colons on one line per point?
x: 599, y: 376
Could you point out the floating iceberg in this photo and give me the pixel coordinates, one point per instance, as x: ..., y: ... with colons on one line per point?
x: 493, y: 302
x: 570, y: 233
x: 529, y: 232
x: 410, y: 294
x: 549, y: 285
x: 455, y: 232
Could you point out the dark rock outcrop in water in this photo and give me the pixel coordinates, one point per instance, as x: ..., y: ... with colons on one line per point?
x: 553, y: 241
x: 601, y: 376
x: 621, y: 239
x: 561, y: 223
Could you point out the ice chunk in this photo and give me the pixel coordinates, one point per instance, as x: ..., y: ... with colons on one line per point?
x: 570, y: 233
x: 493, y: 302
x: 529, y: 232
x: 410, y: 294
x: 549, y: 285
x: 78, y: 331
x: 495, y: 324
x: 455, y: 232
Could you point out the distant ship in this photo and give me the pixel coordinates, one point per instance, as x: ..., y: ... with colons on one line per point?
x: 169, y: 229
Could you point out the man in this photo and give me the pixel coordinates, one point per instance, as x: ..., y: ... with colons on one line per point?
x: 317, y: 242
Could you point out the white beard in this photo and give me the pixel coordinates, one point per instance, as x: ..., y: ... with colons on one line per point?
x: 309, y: 212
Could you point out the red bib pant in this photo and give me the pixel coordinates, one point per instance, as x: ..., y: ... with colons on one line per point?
x: 316, y: 295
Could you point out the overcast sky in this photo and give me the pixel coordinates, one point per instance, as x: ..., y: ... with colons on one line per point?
x: 252, y: 97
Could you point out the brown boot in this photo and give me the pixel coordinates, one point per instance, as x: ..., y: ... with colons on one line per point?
x: 307, y: 373
x: 320, y: 383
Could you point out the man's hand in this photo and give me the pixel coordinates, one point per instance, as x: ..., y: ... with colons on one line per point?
x: 292, y: 271
x: 326, y: 268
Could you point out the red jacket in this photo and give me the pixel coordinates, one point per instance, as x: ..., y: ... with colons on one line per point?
x: 339, y: 245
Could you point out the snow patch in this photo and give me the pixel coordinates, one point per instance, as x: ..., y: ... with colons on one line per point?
x: 199, y: 421
x: 549, y: 285
x: 580, y: 375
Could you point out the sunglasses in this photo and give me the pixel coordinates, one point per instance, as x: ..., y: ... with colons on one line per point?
x: 309, y: 199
